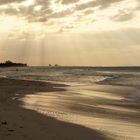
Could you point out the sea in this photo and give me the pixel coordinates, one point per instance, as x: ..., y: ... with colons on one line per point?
x: 125, y: 76
x: 98, y: 97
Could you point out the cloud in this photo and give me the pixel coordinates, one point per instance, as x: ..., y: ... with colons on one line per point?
x: 123, y: 16
x: 61, y: 14
x: 68, y: 1
x: 47, y: 10
x: 64, y: 14
x: 10, y: 1
x: 65, y: 29
x: 9, y: 11
x: 97, y: 3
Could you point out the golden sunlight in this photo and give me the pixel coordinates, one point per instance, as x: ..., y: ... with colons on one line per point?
x: 28, y: 3
x: 69, y: 69
x: 58, y: 7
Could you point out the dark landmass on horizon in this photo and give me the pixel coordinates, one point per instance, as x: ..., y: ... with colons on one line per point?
x: 12, y: 64
x: 99, y: 68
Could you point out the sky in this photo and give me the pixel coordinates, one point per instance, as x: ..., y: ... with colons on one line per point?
x: 70, y: 32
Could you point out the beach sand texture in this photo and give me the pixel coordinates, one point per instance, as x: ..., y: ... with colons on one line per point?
x: 33, y: 110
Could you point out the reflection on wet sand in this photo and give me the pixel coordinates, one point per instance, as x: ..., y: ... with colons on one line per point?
x: 18, y: 123
x: 111, y: 110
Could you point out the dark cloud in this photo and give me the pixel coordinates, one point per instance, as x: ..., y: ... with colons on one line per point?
x: 45, y: 13
x: 61, y: 14
x: 100, y: 3
x: 42, y: 2
x: 10, y: 1
x: 88, y: 11
x: 106, y: 3
x: 37, y: 19
x: 41, y: 16
x: 9, y: 11
x: 68, y: 1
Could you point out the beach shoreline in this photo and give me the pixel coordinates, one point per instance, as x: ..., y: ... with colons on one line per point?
x: 24, y: 124
x: 53, y: 111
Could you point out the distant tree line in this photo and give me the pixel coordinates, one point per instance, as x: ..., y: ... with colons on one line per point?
x: 12, y: 64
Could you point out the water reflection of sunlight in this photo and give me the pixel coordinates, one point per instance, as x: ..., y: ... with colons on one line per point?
x: 57, y: 105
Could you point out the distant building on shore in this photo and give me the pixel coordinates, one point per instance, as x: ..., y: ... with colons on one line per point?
x: 56, y: 65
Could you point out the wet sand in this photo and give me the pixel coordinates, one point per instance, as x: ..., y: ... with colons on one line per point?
x: 39, y: 110
x: 18, y: 123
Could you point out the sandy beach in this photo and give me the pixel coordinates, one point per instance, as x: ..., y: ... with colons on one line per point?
x: 33, y: 110
x: 69, y: 69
